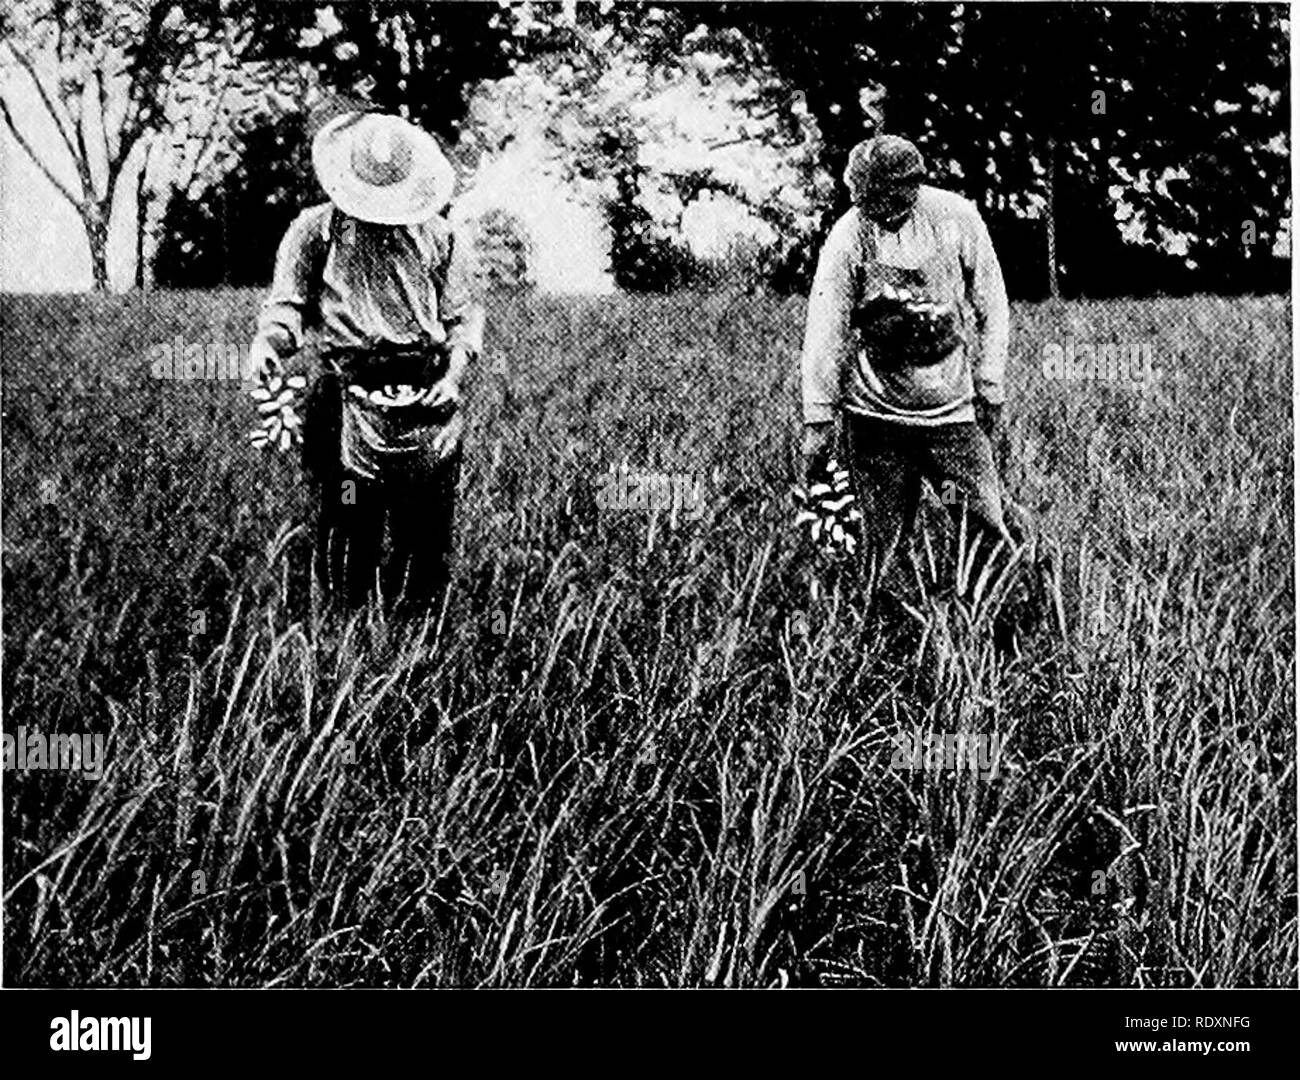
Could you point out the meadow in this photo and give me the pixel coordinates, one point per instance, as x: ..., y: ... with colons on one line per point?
x: 638, y: 748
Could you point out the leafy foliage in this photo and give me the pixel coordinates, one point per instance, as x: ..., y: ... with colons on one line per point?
x: 504, y: 250
x: 118, y: 80
x: 1125, y: 98
x: 229, y: 235
x: 1165, y: 128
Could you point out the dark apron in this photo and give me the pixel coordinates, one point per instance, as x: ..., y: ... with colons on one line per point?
x: 891, y: 339
x: 344, y: 431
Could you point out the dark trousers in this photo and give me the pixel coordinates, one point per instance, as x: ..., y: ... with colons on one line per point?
x: 393, y: 533
x: 890, y: 461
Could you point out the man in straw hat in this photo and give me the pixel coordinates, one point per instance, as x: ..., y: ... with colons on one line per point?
x: 382, y: 277
x: 906, y: 340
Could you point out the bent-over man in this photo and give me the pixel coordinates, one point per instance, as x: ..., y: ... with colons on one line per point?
x: 906, y: 343
x: 379, y: 273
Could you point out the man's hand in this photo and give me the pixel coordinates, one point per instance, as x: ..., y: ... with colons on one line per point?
x: 818, y: 447
x: 446, y: 441
x: 261, y: 363
x: 989, y: 418
x: 445, y: 392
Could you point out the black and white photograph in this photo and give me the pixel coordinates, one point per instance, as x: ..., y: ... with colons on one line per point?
x: 647, y: 496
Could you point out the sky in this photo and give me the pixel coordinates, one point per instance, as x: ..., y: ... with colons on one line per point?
x: 42, y: 245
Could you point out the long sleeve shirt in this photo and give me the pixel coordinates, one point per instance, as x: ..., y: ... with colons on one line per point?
x: 375, y: 292
x: 942, y: 253
x: 370, y: 286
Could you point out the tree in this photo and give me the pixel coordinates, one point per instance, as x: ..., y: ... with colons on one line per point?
x: 104, y: 73
x: 1110, y: 147
x: 1222, y: 169
x: 1037, y: 109
x: 1155, y: 126
x: 504, y: 251
x: 408, y: 57
x: 413, y: 59
x: 213, y: 111
x: 664, y: 119
x: 253, y: 200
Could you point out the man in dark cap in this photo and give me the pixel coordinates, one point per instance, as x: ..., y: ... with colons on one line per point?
x: 906, y: 339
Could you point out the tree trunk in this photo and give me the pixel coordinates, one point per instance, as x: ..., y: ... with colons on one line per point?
x: 140, y: 215
x: 143, y: 259
x: 1053, y: 285
x: 97, y: 236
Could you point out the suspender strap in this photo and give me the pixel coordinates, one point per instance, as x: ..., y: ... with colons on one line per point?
x: 387, y: 364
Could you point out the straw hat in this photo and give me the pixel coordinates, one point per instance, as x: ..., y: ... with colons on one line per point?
x: 381, y: 169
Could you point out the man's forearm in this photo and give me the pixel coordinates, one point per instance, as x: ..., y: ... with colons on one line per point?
x: 828, y: 338
x: 988, y: 416
x: 988, y: 378
x: 292, y: 293
x: 457, y: 363
x: 818, y: 441
x: 465, y: 328
x: 989, y: 298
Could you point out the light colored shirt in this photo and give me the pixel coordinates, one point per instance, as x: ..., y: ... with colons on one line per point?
x: 379, y: 285
x: 372, y: 288
x: 942, y: 253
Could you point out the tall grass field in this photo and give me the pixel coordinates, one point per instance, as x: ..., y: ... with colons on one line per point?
x: 639, y: 747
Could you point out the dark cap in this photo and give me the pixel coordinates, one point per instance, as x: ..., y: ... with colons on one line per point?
x: 882, y: 160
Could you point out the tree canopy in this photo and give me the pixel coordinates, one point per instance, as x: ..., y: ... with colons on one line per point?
x: 1111, y: 147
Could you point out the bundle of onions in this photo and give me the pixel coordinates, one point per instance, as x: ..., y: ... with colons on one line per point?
x: 827, y: 508
x: 280, y: 425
